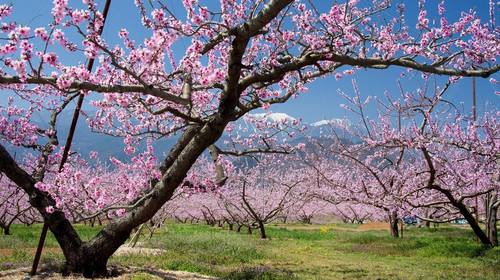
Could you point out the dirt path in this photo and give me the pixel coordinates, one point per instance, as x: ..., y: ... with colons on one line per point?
x: 126, y: 250
x: 374, y: 226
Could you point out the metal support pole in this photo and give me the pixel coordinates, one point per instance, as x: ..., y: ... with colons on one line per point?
x: 474, y: 118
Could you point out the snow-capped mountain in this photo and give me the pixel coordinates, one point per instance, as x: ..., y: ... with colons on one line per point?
x: 106, y: 146
x: 283, y: 117
x: 275, y: 117
x: 332, y: 122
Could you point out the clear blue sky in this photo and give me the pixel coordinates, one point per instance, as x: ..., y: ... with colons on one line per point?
x: 322, y: 101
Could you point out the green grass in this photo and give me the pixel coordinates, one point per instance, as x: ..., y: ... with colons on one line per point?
x: 18, y: 248
x: 293, y: 252
x: 27, y: 236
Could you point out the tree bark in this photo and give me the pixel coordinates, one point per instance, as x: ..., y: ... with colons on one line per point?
x: 393, y: 222
x: 492, y: 232
x: 6, y: 230
x: 462, y: 208
x: 59, y: 225
x: 91, y: 265
x: 402, y: 227
x: 491, y: 218
x: 483, y: 238
x: 473, y: 223
x: 262, y: 230
x: 90, y: 258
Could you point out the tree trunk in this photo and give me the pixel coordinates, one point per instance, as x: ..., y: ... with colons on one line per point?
x: 91, y: 257
x: 262, y: 230
x: 483, y: 238
x: 466, y: 213
x: 491, y: 221
x: 230, y: 225
x: 428, y: 223
x: 306, y: 219
x: 393, y: 222
x: 6, y: 230
x: 238, y: 229
x: 492, y: 232
x: 90, y: 267
x: 402, y: 228
x: 249, y: 230
x: 486, y: 202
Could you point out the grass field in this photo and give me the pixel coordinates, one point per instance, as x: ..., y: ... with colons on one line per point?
x: 292, y: 252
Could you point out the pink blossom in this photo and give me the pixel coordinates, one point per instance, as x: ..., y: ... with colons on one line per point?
x: 77, y: 16
x: 24, y: 31
x: 49, y: 209
x: 50, y: 58
x: 5, y: 10
x: 59, y: 10
x: 41, y: 33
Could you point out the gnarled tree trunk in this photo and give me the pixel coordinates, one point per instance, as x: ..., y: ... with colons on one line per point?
x: 90, y: 258
x: 467, y: 214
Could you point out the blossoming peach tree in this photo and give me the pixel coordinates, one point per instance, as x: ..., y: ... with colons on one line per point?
x: 423, y: 155
x: 241, y: 56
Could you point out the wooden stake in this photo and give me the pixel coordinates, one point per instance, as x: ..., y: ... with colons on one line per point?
x: 69, y: 140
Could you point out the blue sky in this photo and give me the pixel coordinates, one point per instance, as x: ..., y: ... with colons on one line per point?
x: 322, y: 101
